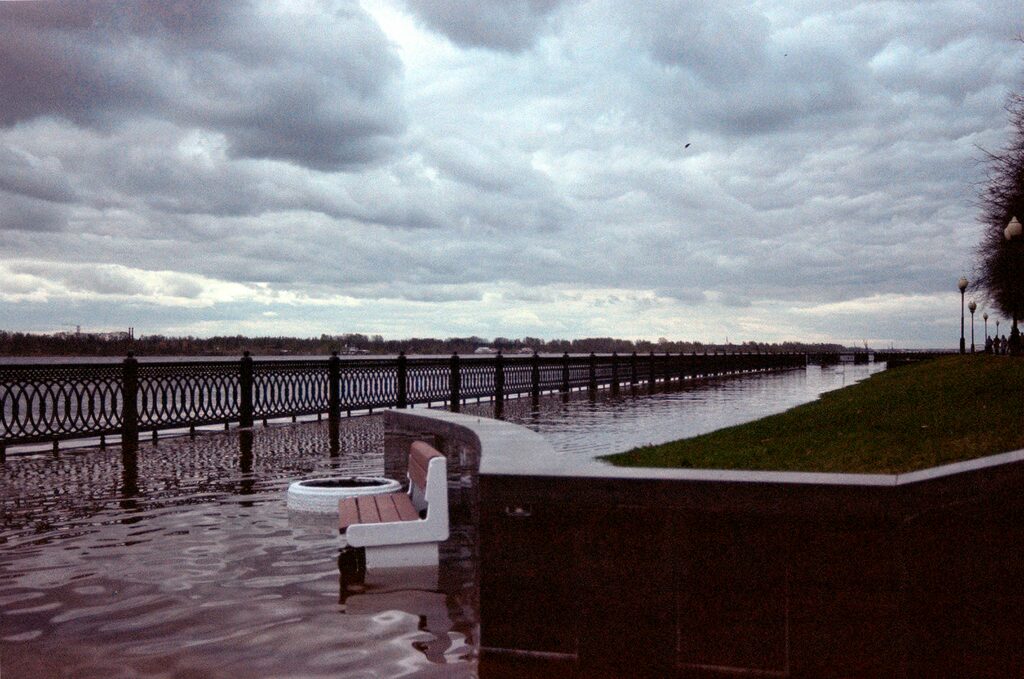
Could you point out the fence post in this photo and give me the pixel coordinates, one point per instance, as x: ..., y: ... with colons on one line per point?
x: 565, y: 373
x: 499, y: 381
x: 402, y: 393
x: 615, y: 372
x: 129, y: 406
x: 535, y: 377
x: 592, y: 373
x: 651, y: 371
x: 245, y: 382
x: 455, y: 384
x: 334, y: 387
x: 633, y: 377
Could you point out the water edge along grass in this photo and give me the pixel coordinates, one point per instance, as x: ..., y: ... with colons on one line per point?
x: 914, y: 417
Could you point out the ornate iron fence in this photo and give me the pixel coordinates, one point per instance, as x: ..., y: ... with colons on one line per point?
x: 51, y: 403
x: 293, y: 388
x: 187, y: 394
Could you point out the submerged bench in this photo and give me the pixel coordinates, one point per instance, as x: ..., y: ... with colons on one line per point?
x: 402, y: 529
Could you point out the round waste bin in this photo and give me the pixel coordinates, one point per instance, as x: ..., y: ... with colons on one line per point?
x: 321, y: 495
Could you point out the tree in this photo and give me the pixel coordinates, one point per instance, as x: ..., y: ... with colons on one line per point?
x: 1001, y: 260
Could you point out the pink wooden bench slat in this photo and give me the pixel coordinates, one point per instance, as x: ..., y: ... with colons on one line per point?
x: 386, y: 508
x: 348, y: 513
x: 417, y: 474
x: 420, y: 454
x: 406, y: 510
x: 367, y: 509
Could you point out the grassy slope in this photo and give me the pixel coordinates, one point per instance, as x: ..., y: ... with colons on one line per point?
x: 909, y: 418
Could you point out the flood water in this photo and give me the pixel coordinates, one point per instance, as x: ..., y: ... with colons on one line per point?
x: 607, y: 423
x: 183, y: 561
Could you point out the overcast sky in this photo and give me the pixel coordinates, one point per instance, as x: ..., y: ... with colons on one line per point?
x: 709, y: 169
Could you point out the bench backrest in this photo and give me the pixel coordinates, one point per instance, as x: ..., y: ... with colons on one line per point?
x: 428, y: 477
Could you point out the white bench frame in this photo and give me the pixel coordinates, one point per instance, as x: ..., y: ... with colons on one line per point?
x: 409, y: 543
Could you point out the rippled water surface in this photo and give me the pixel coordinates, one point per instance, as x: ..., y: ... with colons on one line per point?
x: 188, y: 564
x: 606, y: 424
x: 182, y: 561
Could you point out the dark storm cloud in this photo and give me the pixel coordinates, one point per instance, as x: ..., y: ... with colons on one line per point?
x: 685, y: 297
x: 721, y: 67
x: 718, y: 40
x: 315, y: 88
x: 28, y: 214
x: 33, y: 177
x: 508, y: 25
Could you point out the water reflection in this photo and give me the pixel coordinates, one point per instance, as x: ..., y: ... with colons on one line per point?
x: 596, y: 423
x: 129, y: 477
x: 410, y: 590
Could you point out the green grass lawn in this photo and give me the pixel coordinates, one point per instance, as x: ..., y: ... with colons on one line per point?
x: 913, y: 417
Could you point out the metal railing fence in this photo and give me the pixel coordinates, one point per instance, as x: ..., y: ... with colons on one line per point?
x: 55, y: 402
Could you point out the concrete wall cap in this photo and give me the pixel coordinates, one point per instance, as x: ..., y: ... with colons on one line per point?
x: 508, y: 449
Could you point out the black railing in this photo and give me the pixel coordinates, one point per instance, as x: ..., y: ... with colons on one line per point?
x: 55, y: 402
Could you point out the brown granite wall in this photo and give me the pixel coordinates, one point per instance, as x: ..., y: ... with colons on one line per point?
x: 668, y: 577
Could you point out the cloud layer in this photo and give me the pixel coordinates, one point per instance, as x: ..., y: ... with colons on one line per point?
x: 695, y: 170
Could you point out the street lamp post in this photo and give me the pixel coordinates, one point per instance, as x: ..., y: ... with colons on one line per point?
x: 972, y: 306
x: 984, y: 316
x: 1013, y: 231
x: 962, y: 284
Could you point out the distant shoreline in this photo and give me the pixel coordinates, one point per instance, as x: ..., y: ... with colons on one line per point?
x: 78, y: 345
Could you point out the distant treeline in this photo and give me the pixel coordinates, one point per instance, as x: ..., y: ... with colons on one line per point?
x: 118, y: 344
